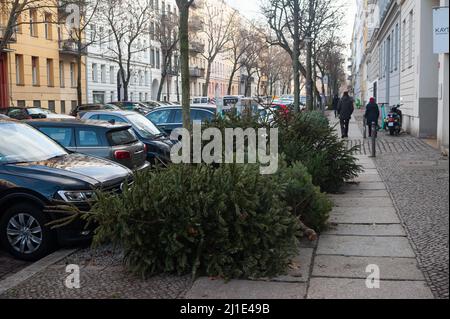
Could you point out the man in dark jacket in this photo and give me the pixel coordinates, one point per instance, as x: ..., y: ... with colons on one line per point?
x: 335, y: 105
x: 345, y: 111
x: 372, y: 114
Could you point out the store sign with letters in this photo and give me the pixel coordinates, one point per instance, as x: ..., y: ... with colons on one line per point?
x: 440, y: 30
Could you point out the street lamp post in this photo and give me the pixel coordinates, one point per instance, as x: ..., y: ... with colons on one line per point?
x: 309, y: 95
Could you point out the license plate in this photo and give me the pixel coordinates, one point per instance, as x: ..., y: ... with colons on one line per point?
x: 391, y: 124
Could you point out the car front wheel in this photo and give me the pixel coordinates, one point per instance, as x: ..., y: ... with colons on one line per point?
x: 23, y: 232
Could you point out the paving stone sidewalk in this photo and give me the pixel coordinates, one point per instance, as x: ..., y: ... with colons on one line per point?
x: 366, y: 231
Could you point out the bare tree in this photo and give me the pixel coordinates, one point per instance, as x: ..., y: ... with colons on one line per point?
x: 218, y: 29
x: 240, y: 43
x: 167, y: 35
x: 128, y: 22
x: 297, y: 24
x: 183, y: 31
x: 13, y: 11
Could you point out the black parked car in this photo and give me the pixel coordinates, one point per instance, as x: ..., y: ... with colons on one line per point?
x: 168, y: 118
x: 133, y: 106
x: 35, y: 173
x: 81, y: 109
x: 116, y: 142
x: 24, y: 113
x: 158, y: 144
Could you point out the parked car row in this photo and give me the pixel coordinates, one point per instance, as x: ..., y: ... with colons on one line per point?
x: 47, y: 160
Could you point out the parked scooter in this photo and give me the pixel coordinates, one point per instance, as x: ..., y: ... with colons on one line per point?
x: 393, y: 121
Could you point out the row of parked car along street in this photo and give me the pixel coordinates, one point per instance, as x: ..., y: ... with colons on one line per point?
x: 47, y: 159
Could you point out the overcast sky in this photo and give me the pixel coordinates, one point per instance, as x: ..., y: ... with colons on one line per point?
x: 251, y: 9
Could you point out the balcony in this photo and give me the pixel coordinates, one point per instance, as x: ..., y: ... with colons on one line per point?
x: 196, y: 47
x: 172, y: 72
x: 13, y: 37
x: 195, y: 24
x: 197, y: 72
x: 71, y: 47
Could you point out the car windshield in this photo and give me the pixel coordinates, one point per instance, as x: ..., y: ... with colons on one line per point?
x: 22, y: 143
x: 143, y: 126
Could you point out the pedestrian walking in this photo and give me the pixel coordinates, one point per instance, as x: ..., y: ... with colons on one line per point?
x: 335, y: 104
x: 346, y: 107
x: 372, y: 114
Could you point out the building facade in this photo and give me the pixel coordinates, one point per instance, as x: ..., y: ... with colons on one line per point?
x: 400, y: 63
x: 40, y: 66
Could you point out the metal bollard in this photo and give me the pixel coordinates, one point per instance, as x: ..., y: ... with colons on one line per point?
x: 374, y: 139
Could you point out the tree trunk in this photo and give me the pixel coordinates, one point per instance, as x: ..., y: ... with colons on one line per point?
x: 184, y: 61
x: 79, y: 87
x: 208, y: 78
x: 296, y: 55
x: 309, y: 71
x: 230, y: 82
x: 161, y: 84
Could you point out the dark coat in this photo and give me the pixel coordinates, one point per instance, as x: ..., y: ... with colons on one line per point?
x: 335, y: 102
x: 346, y: 108
x: 372, y: 113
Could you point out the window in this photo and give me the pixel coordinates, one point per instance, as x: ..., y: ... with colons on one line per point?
x: 122, y: 137
x: 391, y: 51
x: 397, y: 44
x: 33, y: 23
x: 112, y: 75
x: 98, y: 97
x: 61, y: 74
x: 19, y: 70
x: 88, y: 138
x: 159, y: 117
x: 21, y: 103
x: 141, y: 79
x: 72, y: 75
x: 51, y: 106
x: 36, y: 103
x: 35, y: 70
x: 147, y: 78
x: 152, y: 58
x: 63, y: 135
x: 140, y: 96
x: 108, y: 118
x: 200, y: 115
x: 94, y: 72
x: 63, y: 107
x: 103, y: 73
x: 73, y: 105
x: 48, y: 26
x: 410, y: 38
x: 158, y: 59
x: 50, y: 75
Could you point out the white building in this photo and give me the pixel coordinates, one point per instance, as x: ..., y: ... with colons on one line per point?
x: 401, y: 65
x: 102, y: 70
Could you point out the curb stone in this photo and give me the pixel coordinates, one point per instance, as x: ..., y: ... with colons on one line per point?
x: 28, y: 272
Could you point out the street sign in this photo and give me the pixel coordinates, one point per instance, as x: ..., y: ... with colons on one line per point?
x: 440, y: 30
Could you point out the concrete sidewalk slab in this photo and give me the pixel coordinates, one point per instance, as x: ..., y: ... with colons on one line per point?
x: 355, y: 267
x: 368, y: 246
x: 301, y: 266
x: 364, y: 186
x: 364, y: 215
x: 367, y: 230
x: 338, y: 288
x: 361, y: 193
x: 205, y: 288
x: 363, y: 202
x: 368, y: 178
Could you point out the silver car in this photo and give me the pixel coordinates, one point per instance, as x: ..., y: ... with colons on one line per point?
x: 116, y: 142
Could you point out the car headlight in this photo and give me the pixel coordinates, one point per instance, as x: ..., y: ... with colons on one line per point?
x: 76, y: 196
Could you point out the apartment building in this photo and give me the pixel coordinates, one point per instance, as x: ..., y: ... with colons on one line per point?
x: 40, y: 65
x: 222, y: 65
x: 401, y: 65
